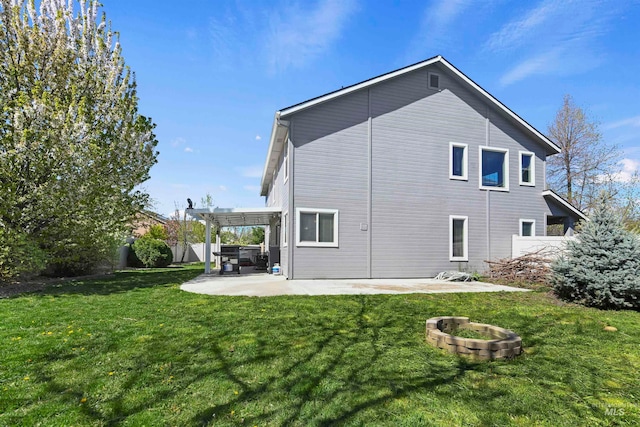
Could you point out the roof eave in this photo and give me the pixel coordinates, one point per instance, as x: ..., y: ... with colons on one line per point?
x: 552, y: 148
x: 269, y: 164
x: 565, y: 203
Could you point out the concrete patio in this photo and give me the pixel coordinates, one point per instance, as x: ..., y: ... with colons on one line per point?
x: 263, y: 284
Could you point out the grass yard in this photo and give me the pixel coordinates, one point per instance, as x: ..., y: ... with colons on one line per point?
x: 134, y: 350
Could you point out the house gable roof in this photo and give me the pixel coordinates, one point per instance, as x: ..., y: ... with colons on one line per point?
x: 552, y: 195
x: 280, y: 126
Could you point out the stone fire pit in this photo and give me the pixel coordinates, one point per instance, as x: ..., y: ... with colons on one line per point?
x: 504, y: 344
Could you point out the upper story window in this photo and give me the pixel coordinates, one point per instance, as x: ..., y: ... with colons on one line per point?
x: 494, y: 168
x: 458, y: 161
x: 527, y: 168
x: 317, y: 227
x: 434, y: 81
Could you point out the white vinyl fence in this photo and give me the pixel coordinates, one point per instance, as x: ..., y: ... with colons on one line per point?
x: 552, y: 246
x: 195, y: 252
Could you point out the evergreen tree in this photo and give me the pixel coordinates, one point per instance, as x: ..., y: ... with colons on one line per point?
x: 602, y: 268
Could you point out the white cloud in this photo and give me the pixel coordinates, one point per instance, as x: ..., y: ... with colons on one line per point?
x: 299, y: 35
x: 222, y: 188
x: 535, y: 65
x: 178, y: 141
x: 252, y: 188
x: 631, y: 121
x: 515, y: 32
x: 188, y: 149
x: 258, y: 137
x: 629, y: 169
x: 434, y: 35
x: 251, y: 171
x: 555, y: 37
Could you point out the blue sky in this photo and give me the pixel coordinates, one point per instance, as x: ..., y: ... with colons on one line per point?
x: 211, y: 73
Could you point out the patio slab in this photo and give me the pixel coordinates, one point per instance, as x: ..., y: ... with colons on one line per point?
x: 264, y: 284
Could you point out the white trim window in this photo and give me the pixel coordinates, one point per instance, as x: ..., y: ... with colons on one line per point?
x: 285, y: 229
x: 494, y: 168
x: 527, y: 227
x: 458, y: 163
x: 317, y: 227
x: 434, y: 81
x: 527, y: 167
x: 285, y: 161
x: 458, y: 238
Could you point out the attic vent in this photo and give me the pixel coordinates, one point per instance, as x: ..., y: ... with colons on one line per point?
x: 434, y: 81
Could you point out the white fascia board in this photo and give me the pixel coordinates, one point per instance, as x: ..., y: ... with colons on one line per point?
x: 553, y: 147
x: 358, y: 86
x: 275, y: 148
x: 563, y: 202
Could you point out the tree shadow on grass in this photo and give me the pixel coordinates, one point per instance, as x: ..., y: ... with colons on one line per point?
x: 339, y: 378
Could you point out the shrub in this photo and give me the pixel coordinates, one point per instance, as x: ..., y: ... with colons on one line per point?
x: 602, y: 268
x: 158, y: 232
x: 85, y: 252
x: 150, y: 252
x: 19, y: 255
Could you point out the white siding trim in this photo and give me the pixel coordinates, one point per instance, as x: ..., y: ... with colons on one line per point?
x: 465, y: 161
x: 285, y: 229
x: 465, y: 241
x: 533, y: 227
x: 506, y: 168
x: 285, y: 161
x: 533, y: 168
x: 336, y: 224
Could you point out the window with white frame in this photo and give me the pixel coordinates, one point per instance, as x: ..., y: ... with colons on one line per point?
x: 458, y: 238
x: 457, y: 161
x: 285, y: 229
x: 434, y: 81
x: 316, y: 227
x: 494, y: 168
x: 527, y: 227
x: 286, y: 161
x: 527, y: 168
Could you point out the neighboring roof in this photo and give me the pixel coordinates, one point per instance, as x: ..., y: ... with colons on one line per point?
x: 236, y: 217
x: 280, y: 127
x: 154, y: 216
x: 552, y: 195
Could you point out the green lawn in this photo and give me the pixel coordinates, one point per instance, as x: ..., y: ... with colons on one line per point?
x: 135, y: 350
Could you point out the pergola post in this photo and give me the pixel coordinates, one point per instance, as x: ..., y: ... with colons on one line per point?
x: 218, y: 248
x: 207, y: 246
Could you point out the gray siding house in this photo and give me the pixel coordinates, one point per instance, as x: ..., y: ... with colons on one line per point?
x: 407, y: 174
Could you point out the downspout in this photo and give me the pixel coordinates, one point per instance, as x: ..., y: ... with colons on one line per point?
x: 369, y: 189
x: 488, y: 193
x: 290, y: 242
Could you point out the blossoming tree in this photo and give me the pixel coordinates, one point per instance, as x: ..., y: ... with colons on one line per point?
x: 73, y: 146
